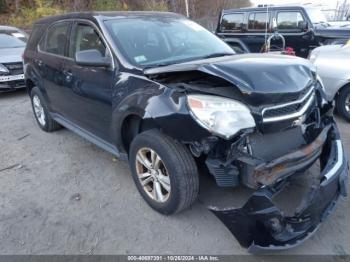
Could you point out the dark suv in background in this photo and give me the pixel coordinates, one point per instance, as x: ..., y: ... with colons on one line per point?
x: 304, y: 28
x: 165, y: 94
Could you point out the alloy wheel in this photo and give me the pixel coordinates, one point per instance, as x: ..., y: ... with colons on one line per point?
x: 347, y: 103
x: 152, y: 174
x: 39, y: 110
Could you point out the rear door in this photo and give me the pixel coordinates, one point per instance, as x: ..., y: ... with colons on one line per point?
x: 258, y: 29
x: 52, y: 54
x: 88, y: 89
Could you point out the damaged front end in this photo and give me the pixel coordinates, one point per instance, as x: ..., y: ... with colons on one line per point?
x: 260, y: 225
x: 294, y: 130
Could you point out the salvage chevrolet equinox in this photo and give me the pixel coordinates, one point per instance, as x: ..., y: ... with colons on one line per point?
x: 168, y: 96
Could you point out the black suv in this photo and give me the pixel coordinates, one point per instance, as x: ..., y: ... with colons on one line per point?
x: 304, y: 28
x: 167, y: 95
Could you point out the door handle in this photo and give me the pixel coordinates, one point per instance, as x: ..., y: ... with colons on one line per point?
x: 68, y: 75
x: 39, y: 62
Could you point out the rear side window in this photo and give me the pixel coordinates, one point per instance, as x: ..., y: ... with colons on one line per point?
x: 35, y: 37
x: 56, y: 38
x: 289, y: 20
x: 84, y: 38
x: 232, y: 21
x: 258, y: 21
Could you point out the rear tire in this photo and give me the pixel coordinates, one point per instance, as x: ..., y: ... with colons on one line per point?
x: 343, y: 103
x: 174, y: 165
x: 41, y: 112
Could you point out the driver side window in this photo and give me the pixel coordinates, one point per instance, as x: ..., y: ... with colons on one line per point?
x: 289, y: 20
x: 84, y: 38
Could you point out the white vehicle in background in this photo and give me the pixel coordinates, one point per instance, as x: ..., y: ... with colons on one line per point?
x: 12, y: 44
x: 333, y: 66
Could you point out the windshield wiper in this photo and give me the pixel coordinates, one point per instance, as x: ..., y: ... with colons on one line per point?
x: 197, y: 58
x: 157, y: 65
x: 7, y: 47
x: 216, y: 55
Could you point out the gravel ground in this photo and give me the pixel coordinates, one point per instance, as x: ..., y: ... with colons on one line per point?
x: 60, y: 194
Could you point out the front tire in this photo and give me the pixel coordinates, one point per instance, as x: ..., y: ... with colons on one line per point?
x: 164, y: 172
x: 343, y: 103
x: 41, y: 112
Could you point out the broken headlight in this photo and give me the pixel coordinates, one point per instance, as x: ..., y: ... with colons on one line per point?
x: 221, y: 116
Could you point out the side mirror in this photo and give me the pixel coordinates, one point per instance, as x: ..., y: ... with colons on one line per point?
x: 91, y: 57
x: 303, y: 26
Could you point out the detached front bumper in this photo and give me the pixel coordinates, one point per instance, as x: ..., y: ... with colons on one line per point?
x: 261, y: 226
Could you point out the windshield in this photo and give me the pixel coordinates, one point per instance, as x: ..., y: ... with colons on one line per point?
x: 156, y: 42
x: 316, y: 15
x: 7, y: 41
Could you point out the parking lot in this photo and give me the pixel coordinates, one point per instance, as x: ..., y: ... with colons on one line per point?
x: 60, y: 194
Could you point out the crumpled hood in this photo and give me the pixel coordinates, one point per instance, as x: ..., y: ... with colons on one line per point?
x: 265, y: 78
x: 11, y: 55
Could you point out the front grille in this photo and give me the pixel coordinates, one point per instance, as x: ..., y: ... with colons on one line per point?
x: 14, y: 68
x: 288, y: 110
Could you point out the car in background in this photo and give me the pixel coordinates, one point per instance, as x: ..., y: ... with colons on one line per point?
x: 332, y: 63
x: 12, y: 45
x: 304, y: 28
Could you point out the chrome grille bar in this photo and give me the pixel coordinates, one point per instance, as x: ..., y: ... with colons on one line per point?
x: 309, y: 98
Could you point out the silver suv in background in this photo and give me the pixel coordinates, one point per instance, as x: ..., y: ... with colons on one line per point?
x: 332, y: 63
x: 12, y: 44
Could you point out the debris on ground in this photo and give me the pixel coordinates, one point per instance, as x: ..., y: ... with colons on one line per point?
x: 23, y: 137
x: 15, y: 166
x: 76, y: 197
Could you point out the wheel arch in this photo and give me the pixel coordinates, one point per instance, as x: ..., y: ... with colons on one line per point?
x: 29, y: 85
x: 132, y: 125
x: 340, y: 90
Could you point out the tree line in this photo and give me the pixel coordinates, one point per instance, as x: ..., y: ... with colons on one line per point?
x: 24, y: 12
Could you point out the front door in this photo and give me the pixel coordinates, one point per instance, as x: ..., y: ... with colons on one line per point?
x: 90, y: 97
x: 289, y: 25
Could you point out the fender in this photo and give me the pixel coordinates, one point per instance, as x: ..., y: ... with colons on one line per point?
x: 165, y: 107
x: 170, y: 112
